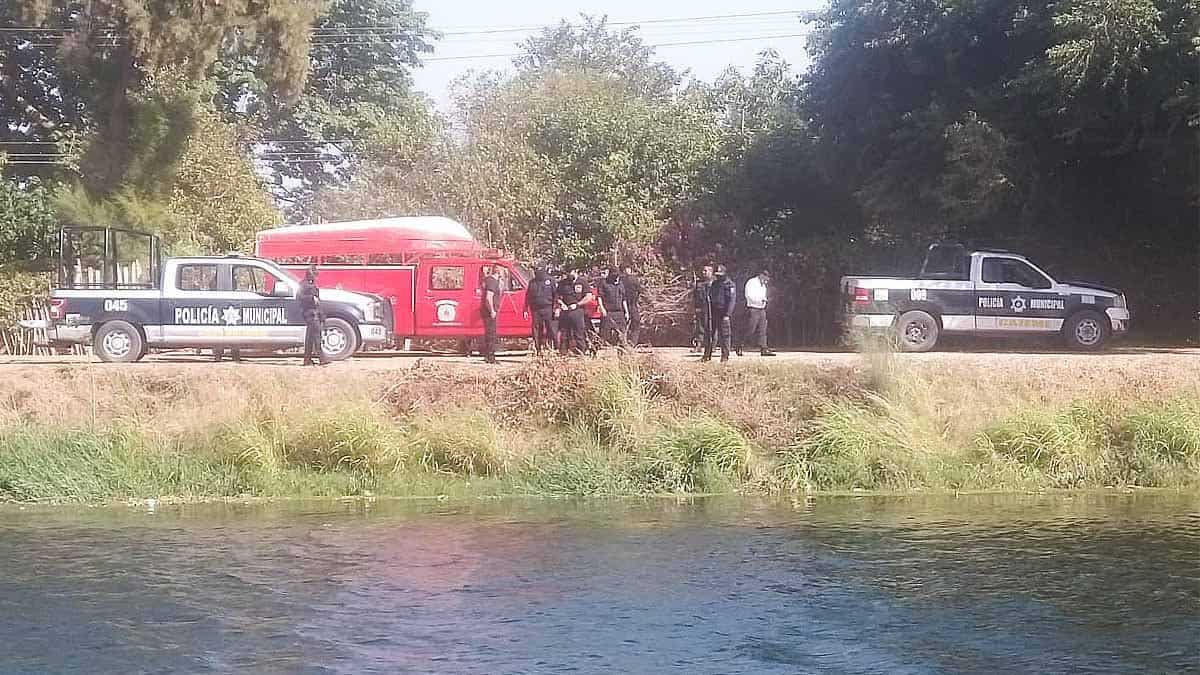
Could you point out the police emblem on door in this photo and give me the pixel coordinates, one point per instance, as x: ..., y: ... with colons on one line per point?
x: 447, y: 311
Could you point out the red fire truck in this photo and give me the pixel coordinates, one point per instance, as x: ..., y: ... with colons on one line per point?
x: 431, y: 270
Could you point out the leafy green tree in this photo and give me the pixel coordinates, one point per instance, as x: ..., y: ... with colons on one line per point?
x: 591, y: 46
x: 359, y: 86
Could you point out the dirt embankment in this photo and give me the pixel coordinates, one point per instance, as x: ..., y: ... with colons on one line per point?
x: 182, y: 390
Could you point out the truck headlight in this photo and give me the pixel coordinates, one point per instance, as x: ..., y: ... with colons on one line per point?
x: 1119, y: 303
x: 371, y: 312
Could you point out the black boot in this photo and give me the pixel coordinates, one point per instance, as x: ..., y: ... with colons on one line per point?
x: 766, y: 352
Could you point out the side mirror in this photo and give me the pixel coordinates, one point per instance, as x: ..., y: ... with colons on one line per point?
x: 281, y: 291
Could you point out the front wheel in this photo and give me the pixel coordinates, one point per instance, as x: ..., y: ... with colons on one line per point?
x: 1086, y: 330
x: 339, y: 340
x: 119, y: 342
x: 917, y: 331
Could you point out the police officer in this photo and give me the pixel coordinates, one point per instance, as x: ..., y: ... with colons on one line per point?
x: 490, y: 309
x: 310, y: 304
x: 612, y: 298
x: 722, y: 295
x: 572, y: 322
x: 633, y: 296
x: 700, y: 306
x: 539, y: 302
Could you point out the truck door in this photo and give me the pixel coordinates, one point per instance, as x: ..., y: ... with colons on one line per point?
x: 192, y: 307
x: 448, y: 299
x: 1014, y: 297
x: 511, y: 319
x: 265, y: 311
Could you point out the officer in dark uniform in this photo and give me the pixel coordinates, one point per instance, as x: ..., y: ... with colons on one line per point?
x: 539, y: 302
x: 612, y: 296
x: 572, y: 320
x: 310, y: 303
x: 700, y: 306
x: 633, y: 296
x: 722, y: 296
x: 490, y: 308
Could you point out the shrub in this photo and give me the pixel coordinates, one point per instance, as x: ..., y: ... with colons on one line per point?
x: 464, y: 442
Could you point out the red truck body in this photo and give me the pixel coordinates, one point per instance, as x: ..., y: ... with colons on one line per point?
x: 431, y: 270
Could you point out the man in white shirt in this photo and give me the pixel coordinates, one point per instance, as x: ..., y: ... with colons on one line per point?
x: 756, y: 307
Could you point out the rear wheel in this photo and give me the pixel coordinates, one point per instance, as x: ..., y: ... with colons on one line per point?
x: 917, y: 331
x: 1086, y: 330
x: 119, y: 342
x: 338, y: 339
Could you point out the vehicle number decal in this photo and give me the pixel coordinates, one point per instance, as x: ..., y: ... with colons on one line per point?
x: 881, y: 295
x: 919, y: 295
x: 116, y: 305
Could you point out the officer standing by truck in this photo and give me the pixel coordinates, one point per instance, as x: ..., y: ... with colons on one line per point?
x: 490, y: 309
x: 612, y: 298
x: 722, y: 295
x: 539, y: 302
x: 310, y: 303
x: 633, y: 296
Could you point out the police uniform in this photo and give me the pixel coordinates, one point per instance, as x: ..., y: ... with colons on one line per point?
x: 613, y: 324
x: 722, y: 295
x: 490, y: 285
x: 310, y: 303
x: 572, y: 321
x: 633, y: 295
x: 539, y: 300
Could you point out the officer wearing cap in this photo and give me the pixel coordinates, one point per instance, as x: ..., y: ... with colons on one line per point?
x: 539, y: 302
x: 310, y: 303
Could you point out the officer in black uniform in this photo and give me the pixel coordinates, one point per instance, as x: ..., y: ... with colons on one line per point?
x: 490, y: 308
x: 572, y: 320
x: 310, y: 303
x: 700, y: 306
x: 722, y: 296
x: 613, y: 323
x: 633, y: 296
x: 539, y: 302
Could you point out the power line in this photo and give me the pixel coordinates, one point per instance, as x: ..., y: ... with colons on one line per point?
x: 689, y: 43
x: 364, y: 30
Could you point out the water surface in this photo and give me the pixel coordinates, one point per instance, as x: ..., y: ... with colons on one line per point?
x: 1093, y: 584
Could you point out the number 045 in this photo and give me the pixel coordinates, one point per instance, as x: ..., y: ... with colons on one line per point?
x: 116, y: 305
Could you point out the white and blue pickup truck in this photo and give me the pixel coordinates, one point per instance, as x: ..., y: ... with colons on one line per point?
x: 195, y: 302
x: 985, y: 293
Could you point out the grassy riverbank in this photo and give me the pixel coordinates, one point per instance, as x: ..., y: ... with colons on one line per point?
x: 633, y: 426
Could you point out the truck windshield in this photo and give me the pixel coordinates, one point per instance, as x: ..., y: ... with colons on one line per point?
x: 283, y: 277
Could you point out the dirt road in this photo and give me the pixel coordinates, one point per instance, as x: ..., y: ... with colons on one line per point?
x: 1186, y: 359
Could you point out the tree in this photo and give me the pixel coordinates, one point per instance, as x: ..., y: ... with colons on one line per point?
x: 85, y: 60
x: 592, y: 47
x: 359, y: 84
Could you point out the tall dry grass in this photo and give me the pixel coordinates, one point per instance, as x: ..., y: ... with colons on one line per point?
x: 632, y: 425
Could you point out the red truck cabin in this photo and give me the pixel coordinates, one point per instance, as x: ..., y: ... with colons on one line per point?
x: 431, y: 270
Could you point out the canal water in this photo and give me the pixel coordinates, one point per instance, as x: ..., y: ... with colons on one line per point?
x: 1042, y: 584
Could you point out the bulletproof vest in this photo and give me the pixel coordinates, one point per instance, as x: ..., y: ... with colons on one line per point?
x: 613, y: 295
x: 541, y: 292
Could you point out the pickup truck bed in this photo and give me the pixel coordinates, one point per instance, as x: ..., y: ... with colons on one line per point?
x: 1003, y: 294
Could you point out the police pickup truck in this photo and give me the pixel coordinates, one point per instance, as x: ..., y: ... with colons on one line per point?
x: 981, y: 293
x: 198, y: 302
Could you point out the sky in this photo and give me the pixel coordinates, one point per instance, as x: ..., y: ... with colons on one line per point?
x: 760, y: 24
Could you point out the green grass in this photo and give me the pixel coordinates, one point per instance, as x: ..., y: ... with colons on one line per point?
x: 625, y: 428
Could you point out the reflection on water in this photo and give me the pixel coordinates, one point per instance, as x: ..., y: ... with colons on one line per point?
x: 871, y: 585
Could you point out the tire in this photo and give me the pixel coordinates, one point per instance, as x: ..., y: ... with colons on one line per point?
x: 339, y: 340
x: 917, y: 332
x: 1087, y: 330
x: 119, y: 342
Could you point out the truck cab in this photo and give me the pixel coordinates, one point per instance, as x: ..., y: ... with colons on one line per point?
x: 124, y: 308
x: 985, y: 293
